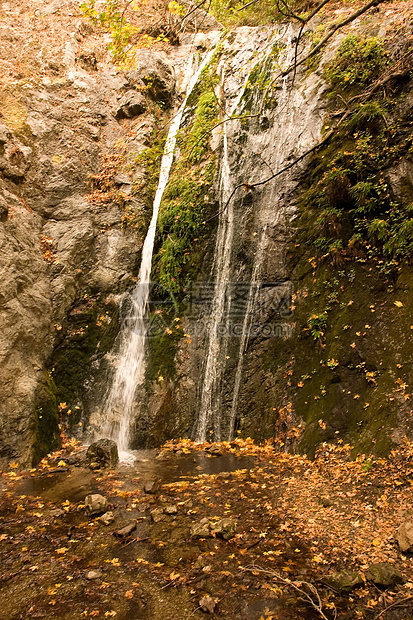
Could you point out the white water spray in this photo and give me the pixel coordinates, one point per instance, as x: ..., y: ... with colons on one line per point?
x: 118, y: 411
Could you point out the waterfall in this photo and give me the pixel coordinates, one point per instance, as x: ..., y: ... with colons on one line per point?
x: 210, y: 401
x: 254, y: 284
x: 118, y: 411
x: 211, y: 414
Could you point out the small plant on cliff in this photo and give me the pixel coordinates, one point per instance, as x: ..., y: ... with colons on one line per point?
x: 358, y: 61
x: 317, y: 324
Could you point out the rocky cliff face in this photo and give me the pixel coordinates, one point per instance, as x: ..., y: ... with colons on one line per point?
x: 324, y: 350
x: 69, y: 242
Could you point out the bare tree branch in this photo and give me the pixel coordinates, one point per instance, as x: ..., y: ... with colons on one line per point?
x: 313, y: 598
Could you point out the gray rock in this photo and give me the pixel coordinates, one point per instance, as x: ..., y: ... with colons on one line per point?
x: 126, y: 531
x: 107, y: 518
x: 344, y: 581
x: 170, y: 509
x: 201, y: 529
x: 207, y: 604
x: 405, y: 536
x: 225, y: 528
x: 56, y: 513
x: 132, y: 104
x: 95, y: 504
x: 384, y: 574
x: 156, y: 74
x: 104, y: 452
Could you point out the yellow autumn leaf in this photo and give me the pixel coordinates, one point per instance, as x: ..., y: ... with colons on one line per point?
x: 62, y: 550
x: 399, y: 304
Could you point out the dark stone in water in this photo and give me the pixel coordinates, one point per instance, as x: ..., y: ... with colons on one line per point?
x: 102, y: 453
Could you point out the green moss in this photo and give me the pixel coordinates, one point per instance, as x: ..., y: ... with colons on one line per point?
x: 91, y: 331
x: 185, y: 205
x: 46, y: 419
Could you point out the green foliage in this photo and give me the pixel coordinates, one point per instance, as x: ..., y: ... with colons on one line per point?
x: 258, y: 13
x: 92, y: 328
x: 184, y: 207
x: 150, y: 160
x: 317, y: 325
x: 358, y: 61
x: 118, y: 19
x: 349, y: 193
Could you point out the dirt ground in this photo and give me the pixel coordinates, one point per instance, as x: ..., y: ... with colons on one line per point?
x: 297, y: 521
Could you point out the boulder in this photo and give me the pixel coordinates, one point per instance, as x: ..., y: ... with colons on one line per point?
x: 384, y: 574
x: 343, y: 581
x: 225, y: 528
x: 95, y: 504
x: 156, y: 74
x: 102, y: 453
x: 132, y: 104
x: 405, y: 536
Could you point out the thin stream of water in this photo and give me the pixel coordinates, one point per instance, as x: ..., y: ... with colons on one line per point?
x: 209, y: 413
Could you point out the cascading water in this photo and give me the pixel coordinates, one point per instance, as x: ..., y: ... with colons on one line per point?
x: 215, y: 416
x: 210, y: 402
x: 118, y: 410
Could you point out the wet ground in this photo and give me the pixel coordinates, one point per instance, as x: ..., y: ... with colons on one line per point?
x: 58, y: 562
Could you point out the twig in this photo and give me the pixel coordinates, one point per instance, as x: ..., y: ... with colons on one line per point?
x: 395, y: 604
x: 192, y: 613
x: 137, y: 539
x: 170, y: 583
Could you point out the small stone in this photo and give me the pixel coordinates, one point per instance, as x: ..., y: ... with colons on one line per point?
x: 224, y: 475
x: 216, y: 450
x: 107, y: 518
x: 56, y: 513
x: 405, y: 536
x: 95, y: 504
x: 103, y: 453
x: 126, y: 531
x: 325, y: 501
x: 94, y: 574
x: 207, y: 604
x: 152, y: 486
x: 225, y: 528
x: 157, y: 515
x: 384, y: 574
x: 170, y: 509
x: 343, y: 581
x: 201, y: 529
